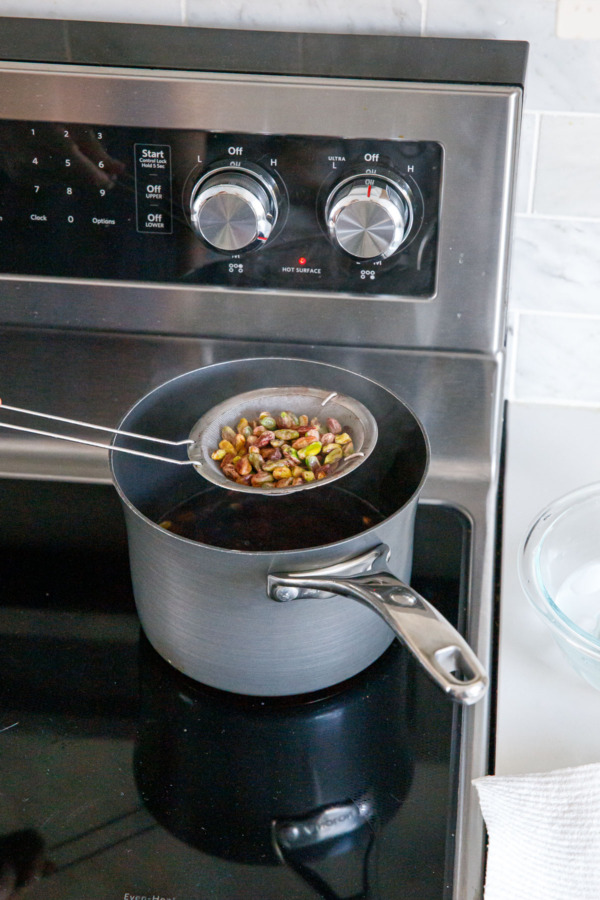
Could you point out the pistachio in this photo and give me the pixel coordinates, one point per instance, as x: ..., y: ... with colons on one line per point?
x: 287, y: 420
x: 271, y: 453
x: 334, y: 454
x: 256, y: 460
x: 301, y: 442
x: 261, y: 479
x: 227, y: 446
x: 286, y: 434
x: 265, y: 438
x: 281, y: 451
x: 289, y: 452
x: 327, y: 447
x: 271, y: 464
x: 312, y: 462
x: 228, y: 434
x: 312, y: 450
x: 244, y: 466
x: 280, y: 472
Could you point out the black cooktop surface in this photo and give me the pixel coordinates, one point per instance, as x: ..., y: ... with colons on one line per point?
x: 122, y: 779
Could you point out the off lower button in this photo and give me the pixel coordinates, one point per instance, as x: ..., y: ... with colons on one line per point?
x: 155, y: 221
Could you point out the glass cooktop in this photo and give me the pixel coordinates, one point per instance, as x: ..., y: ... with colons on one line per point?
x: 121, y: 779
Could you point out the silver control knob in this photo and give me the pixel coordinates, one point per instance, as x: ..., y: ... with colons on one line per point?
x: 368, y: 217
x: 234, y: 209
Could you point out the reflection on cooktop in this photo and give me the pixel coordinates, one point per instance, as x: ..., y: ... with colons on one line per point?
x: 122, y: 778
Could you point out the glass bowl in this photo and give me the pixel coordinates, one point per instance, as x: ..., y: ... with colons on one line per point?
x: 559, y: 567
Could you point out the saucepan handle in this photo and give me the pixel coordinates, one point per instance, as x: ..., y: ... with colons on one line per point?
x: 436, y: 644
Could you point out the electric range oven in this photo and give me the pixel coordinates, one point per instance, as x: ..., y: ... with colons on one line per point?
x: 172, y: 198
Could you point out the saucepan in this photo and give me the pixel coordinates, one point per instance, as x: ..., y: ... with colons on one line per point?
x: 274, y: 595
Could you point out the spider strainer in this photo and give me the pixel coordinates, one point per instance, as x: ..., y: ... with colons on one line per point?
x: 205, y: 435
x: 311, y: 401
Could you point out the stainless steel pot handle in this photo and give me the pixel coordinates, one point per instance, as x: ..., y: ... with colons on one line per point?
x: 436, y: 644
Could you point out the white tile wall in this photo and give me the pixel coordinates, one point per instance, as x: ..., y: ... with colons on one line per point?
x: 558, y: 359
x: 556, y: 266
x: 158, y: 12
x: 568, y: 167
x: 391, y: 16
x: 555, y: 286
x: 562, y: 75
x: 578, y: 20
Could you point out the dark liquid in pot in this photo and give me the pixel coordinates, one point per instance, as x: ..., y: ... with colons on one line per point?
x: 236, y: 521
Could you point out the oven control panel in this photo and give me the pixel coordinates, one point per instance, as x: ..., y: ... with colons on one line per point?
x: 237, y: 210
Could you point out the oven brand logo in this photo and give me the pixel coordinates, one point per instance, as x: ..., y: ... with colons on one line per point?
x: 129, y: 896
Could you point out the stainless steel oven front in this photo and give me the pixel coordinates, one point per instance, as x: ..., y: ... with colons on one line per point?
x: 171, y: 198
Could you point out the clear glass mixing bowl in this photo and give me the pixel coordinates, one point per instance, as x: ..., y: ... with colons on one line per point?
x: 559, y: 567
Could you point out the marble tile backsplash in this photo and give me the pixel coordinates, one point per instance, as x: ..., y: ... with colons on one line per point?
x: 554, y: 316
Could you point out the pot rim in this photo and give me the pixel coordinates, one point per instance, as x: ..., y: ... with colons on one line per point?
x: 270, y: 553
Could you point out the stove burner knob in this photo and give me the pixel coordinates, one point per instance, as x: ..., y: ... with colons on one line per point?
x: 234, y: 209
x: 368, y: 217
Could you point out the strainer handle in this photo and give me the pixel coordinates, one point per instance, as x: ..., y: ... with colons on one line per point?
x: 79, y: 440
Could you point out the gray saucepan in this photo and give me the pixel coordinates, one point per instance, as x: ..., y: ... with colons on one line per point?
x: 280, y: 595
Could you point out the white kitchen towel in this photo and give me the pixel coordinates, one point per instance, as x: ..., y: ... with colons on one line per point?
x: 543, y: 834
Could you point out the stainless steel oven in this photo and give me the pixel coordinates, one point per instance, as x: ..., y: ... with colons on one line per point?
x: 171, y: 198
